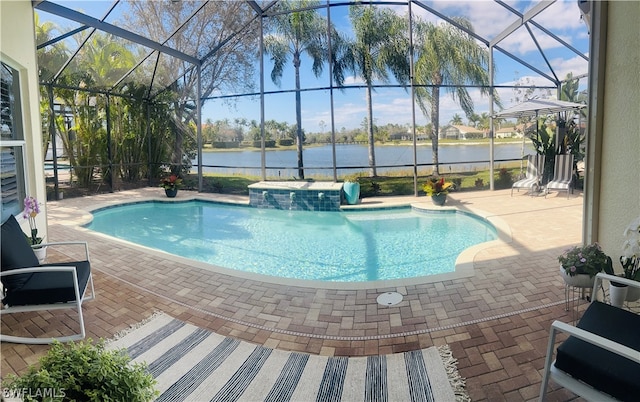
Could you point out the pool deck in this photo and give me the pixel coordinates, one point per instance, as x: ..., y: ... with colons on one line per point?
x: 495, y: 321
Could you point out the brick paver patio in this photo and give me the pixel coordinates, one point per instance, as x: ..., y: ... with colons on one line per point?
x: 496, y: 321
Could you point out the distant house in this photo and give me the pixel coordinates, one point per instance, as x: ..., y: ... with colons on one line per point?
x: 408, y: 136
x: 509, y: 132
x: 400, y: 136
x: 455, y: 132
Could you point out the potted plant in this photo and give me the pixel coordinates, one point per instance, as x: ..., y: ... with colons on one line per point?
x: 579, y: 265
x: 83, y: 371
x: 437, y: 189
x: 351, y: 188
x: 171, y: 184
x: 31, y: 210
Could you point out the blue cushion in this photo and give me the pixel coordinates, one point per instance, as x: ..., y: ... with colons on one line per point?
x: 16, y: 253
x: 50, y: 287
x: 604, y: 370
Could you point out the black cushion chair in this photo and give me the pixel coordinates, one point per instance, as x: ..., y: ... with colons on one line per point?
x: 28, y: 285
x: 600, y: 360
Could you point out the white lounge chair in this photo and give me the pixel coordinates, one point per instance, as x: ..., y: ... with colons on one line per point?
x: 535, y: 167
x: 562, y: 175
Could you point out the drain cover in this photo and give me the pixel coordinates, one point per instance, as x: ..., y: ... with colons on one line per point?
x: 389, y: 298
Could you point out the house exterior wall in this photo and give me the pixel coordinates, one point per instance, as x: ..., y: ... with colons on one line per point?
x: 17, y: 49
x: 619, y: 182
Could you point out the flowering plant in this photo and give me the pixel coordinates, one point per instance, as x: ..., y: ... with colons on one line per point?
x: 170, y: 183
x: 436, y: 186
x: 589, y: 259
x: 630, y: 258
x: 31, y: 210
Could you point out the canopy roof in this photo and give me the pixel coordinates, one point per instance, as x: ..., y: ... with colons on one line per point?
x: 535, y: 107
x: 164, y: 41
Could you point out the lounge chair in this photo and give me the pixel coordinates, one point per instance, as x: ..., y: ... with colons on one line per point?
x: 28, y: 285
x: 562, y: 175
x: 535, y: 166
x: 600, y: 360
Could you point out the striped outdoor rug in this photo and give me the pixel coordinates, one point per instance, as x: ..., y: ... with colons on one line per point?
x: 194, y: 364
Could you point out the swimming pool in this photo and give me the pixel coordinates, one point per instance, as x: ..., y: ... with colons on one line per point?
x: 356, y: 246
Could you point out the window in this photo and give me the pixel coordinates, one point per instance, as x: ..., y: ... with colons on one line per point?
x: 12, y: 144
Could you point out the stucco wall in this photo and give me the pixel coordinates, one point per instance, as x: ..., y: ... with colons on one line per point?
x: 620, y: 176
x: 17, y: 48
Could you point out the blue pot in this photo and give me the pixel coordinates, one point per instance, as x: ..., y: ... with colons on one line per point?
x: 439, y: 199
x: 351, y: 192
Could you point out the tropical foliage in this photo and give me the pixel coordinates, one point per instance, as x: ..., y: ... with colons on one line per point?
x: 130, y: 135
x: 450, y: 57
x: 171, y: 182
x: 295, y: 34
x: 437, y: 186
x: 378, y: 50
x: 112, y: 127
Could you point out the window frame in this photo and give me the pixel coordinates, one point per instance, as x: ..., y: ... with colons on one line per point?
x: 15, y: 145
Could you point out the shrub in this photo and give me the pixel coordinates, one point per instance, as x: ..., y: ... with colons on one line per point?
x: 504, y: 179
x: 84, y: 371
x: 285, y: 142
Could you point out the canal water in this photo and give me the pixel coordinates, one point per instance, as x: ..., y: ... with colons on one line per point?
x: 318, y: 160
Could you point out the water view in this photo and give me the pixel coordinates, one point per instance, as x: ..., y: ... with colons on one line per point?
x: 353, y: 158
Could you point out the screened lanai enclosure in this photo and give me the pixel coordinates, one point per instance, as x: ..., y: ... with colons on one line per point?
x: 293, y: 90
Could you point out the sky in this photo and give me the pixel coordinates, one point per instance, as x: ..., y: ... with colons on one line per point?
x: 393, y: 105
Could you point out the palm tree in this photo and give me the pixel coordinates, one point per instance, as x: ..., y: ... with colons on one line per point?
x: 474, y: 119
x: 297, y: 33
x: 447, y: 55
x: 456, y: 120
x: 379, y: 47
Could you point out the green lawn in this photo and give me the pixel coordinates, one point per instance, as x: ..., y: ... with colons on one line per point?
x: 370, y: 186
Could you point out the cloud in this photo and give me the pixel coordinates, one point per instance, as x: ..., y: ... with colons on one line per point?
x: 575, y: 65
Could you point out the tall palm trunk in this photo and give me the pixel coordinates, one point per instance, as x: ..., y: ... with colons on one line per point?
x: 435, y: 126
x: 299, y: 139
x: 372, y: 152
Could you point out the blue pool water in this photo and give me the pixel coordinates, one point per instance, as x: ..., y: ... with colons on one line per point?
x: 330, y: 246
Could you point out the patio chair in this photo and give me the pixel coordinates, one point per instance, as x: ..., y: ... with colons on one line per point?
x: 562, y: 175
x: 600, y: 360
x: 28, y: 285
x: 533, y: 176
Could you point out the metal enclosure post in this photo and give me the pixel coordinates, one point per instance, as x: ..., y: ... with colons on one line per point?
x: 109, y: 157
x: 148, y: 130
x: 413, y: 104
x: 333, y: 123
x: 263, y: 157
x: 199, y: 125
x: 52, y: 133
x: 491, y: 136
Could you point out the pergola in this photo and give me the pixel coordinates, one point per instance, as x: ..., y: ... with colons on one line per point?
x: 168, y: 57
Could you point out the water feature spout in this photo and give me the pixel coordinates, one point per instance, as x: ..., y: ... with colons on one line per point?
x: 292, y: 198
x: 321, y: 196
x: 265, y: 195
